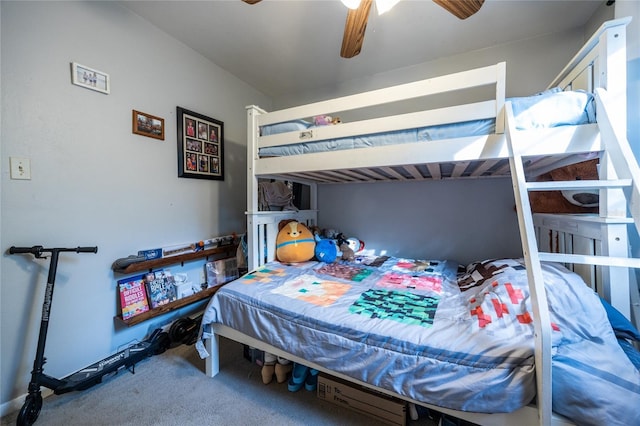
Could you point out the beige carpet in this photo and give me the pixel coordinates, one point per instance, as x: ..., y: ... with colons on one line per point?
x: 172, y: 389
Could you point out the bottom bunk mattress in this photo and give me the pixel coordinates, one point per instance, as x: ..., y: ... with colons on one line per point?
x: 433, y: 332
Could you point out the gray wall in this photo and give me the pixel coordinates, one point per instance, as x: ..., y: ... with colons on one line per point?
x: 442, y: 220
x: 93, y: 181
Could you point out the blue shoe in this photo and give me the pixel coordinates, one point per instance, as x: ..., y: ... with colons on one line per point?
x: 298, y: 376
x: 311, y: 382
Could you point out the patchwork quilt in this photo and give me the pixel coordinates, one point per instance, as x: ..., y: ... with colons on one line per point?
x: 460, y: 338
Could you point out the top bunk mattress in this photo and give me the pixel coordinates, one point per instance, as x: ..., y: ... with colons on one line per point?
x: 551, y: 108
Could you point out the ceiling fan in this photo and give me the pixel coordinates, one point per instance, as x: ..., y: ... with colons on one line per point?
x: 358, y: 16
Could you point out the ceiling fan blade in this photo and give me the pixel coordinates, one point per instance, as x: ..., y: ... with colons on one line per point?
x: 461, y: 8
x: 354, y: 29
x: 251, y: 1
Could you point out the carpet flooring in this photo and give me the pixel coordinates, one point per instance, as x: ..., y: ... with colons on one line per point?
x: 172, y: 389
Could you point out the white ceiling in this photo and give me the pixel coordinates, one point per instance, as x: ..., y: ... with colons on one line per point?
x: 282, y: 46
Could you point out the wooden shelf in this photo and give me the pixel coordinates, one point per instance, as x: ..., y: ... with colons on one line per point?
x: 216, y: 253
x: 147, y: 265
x: 201, y: 295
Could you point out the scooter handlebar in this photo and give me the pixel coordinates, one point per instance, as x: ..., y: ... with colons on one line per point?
x: 86, y: 249
x: 19, y: 250
x: 38, y: 250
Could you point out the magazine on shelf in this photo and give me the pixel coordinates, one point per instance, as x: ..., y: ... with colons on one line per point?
x: 161, y: 288
x: 133, y: 296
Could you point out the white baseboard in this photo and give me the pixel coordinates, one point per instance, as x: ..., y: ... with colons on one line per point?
x: 16, y: 404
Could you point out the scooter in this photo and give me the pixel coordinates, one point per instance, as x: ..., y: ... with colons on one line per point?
x: 89, y: 376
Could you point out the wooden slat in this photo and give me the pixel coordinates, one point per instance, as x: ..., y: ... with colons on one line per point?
x: 393, y: 173
x: 435, y: 170
x: 341, y: 176
x: 459, y: 168
x: 357, y: 175
x: 373, y: 174
x: 413, y: 171
x: 484, y: 167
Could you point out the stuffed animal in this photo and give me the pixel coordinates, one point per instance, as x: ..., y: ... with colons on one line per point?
x: 347, y: 252
x: 294, y: 242
x: 322, y: 120
x: 355, y: 244
x: 326, y: 249
x: 325, y: 120
x: 567, y: 201
x: 330, y: 233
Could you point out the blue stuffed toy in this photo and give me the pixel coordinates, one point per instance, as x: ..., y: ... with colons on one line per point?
x: 326, y: 249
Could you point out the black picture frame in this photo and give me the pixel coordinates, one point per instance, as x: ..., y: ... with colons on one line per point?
x: 200, y: 146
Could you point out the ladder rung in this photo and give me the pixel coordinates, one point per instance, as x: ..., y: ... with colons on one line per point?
x: 625, y: 262
x: 571, y: 185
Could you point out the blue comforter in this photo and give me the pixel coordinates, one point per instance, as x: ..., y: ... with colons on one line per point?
x: 424, y: 330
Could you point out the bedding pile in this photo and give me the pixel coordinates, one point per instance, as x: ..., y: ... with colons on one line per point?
x: 460, y: 338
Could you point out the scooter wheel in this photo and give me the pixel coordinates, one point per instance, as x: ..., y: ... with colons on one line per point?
x: 161, y: 343
x: 30, y: 410
x: 180, y: 330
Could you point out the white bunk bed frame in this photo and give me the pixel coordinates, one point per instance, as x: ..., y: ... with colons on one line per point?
x: 574, y: 240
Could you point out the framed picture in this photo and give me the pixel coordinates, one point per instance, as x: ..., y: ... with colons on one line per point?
x: 200, y: 146
x: 147, y: 125
x: 89, y: 78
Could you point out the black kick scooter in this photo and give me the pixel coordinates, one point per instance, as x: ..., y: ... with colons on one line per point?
x: 83, y: 379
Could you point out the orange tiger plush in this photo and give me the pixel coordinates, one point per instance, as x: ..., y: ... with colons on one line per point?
x: 294, y: 242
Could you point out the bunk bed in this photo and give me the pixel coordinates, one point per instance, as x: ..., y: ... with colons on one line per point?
x: 504, y: 141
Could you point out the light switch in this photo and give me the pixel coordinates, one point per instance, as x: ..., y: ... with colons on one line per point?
x: 20, y: 168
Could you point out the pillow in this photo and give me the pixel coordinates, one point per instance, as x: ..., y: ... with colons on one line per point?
x: 622, y: 327
x: 549, y: 91
x: 553, y: 108
x: 287, y: 126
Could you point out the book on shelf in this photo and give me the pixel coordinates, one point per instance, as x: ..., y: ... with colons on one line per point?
x: 133, y: 296
x: 221, y: 271
x: 161, y: 288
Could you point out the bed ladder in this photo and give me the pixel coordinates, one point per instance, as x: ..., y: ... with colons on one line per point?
x: 621, y: 184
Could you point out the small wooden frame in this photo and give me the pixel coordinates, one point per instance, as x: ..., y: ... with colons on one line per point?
x: 147, y: 125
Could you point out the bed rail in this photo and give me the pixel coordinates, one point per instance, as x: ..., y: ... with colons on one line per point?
x: 494, y: 75
x: 589, y: 235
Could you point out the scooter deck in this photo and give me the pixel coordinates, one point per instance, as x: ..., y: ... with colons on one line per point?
x: 126, y: 358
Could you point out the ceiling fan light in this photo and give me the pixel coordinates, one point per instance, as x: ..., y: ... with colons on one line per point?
x: 351, y: 4
x: 385, y: 5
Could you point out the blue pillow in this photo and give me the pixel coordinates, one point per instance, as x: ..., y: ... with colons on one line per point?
x: 621, y: 326
x: 552, y: 108
x: 287, y: 126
